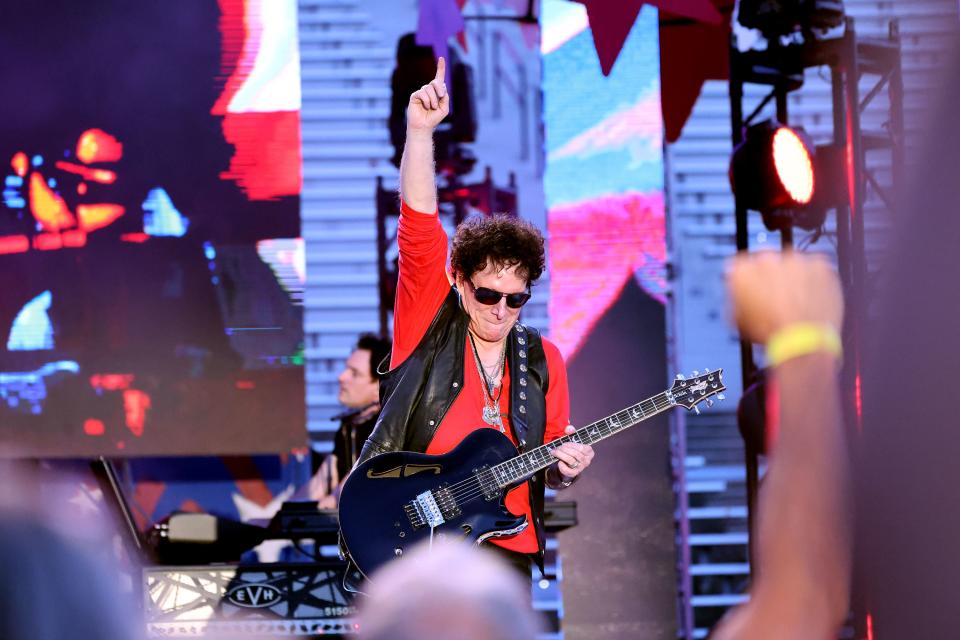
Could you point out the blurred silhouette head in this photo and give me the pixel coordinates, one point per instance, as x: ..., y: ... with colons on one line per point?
x: 59, y: 578
x: 453, y: 591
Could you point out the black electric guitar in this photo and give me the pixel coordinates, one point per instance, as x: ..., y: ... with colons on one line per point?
x: 395, y: 500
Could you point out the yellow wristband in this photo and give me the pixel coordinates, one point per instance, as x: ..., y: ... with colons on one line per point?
x: 801, y: 339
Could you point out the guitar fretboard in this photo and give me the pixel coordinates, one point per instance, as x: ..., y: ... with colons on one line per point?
x: 526, y: 464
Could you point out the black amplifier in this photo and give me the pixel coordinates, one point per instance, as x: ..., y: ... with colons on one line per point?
x: 248, y: 600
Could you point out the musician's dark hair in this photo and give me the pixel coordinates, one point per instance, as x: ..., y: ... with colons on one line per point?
x: 379, y: 347
x: 502, y: 240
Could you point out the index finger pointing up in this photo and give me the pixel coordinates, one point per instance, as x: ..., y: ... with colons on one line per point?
x: 441, y: 69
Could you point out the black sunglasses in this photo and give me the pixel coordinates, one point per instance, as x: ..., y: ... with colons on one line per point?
x: 490, y: 297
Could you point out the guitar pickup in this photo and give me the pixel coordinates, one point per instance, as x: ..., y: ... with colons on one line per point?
x: 448, y: 505
x: 489, y: 483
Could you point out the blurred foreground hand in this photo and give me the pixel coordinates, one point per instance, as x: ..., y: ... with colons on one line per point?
x: 770, y: 291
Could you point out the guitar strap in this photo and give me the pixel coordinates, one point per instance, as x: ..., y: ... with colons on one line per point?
x: 520, y: 344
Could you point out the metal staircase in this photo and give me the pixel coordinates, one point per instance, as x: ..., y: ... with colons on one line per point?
x: 345, y: 76
x: 717, y: 516
x: 702, y: 236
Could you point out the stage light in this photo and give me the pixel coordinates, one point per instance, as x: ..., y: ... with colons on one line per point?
x: 416, y: 66
x: 773, y: 168
x: 775, y: 18
x: 794, y: 165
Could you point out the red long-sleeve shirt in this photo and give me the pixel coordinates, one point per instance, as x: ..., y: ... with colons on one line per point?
x: 422, y: 287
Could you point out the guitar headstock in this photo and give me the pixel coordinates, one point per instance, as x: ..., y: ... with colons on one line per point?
x: 689, y: 392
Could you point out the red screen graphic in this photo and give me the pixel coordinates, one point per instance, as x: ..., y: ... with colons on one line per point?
x: 151, y: 148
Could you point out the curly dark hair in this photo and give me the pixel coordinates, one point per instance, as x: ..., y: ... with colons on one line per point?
x: 503, y: 240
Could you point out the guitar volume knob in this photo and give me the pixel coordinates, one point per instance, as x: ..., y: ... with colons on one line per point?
x: 398, y: 552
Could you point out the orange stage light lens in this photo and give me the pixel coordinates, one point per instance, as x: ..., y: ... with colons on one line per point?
x: 794, y: 165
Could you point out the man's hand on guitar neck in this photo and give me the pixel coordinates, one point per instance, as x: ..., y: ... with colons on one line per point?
x: 572, y: 458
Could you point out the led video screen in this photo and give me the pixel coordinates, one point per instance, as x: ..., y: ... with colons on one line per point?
x: 604, y: 172
x: 150, y: 270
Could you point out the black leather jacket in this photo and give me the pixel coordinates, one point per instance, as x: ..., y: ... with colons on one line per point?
x: 415, y: 396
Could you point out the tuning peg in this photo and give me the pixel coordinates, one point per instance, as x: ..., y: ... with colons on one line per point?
x: 709, y: 403
x: 680, y: 376
x: 707, y: 370
x: 696, y: 373
x: 697, y: 409
x: 720, y: 396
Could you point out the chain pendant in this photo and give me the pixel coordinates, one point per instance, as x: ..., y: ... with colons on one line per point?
x: 491, y: 415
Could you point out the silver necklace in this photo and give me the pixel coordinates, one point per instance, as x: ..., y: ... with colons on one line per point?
x: 491, y: 404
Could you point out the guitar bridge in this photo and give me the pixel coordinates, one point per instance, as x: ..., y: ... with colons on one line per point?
x: 431, y: 508
x: 427, y: 511
x: 416, y: 520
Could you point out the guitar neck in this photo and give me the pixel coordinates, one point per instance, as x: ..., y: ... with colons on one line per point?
x: 526, y: 464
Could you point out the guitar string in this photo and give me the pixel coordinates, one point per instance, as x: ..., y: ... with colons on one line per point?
x: 462, y: 492
x: 660, y: 402
x: 473, y: 487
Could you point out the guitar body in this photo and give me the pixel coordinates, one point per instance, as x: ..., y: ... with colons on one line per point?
x: 389, y: 502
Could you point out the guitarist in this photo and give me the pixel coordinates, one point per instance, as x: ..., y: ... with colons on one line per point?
x: 460, y: 359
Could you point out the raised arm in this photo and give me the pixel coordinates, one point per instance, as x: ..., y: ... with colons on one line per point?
x: 427, y: 107
x: 793, y: 303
